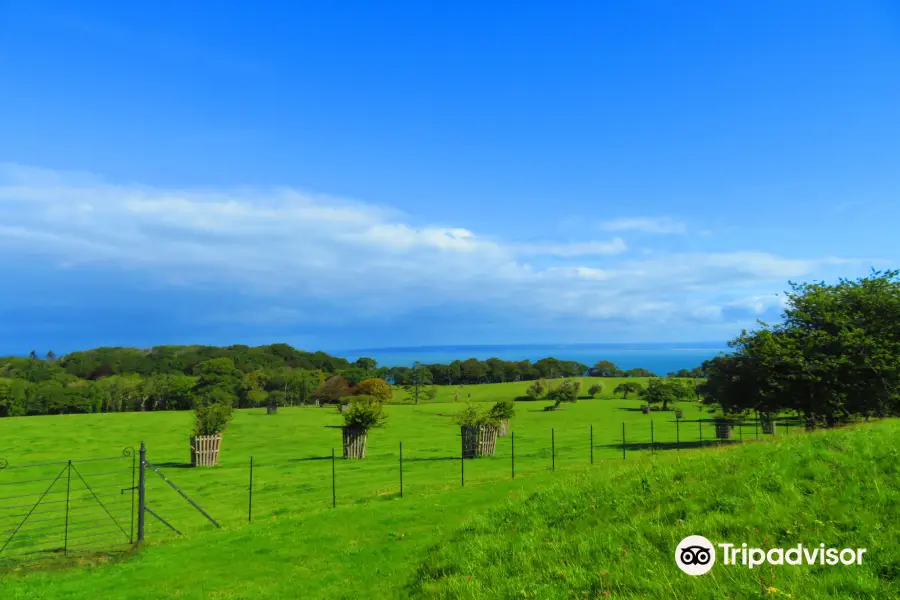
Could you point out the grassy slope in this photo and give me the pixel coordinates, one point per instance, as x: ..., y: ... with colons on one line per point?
x: 614, y: 535
x: 608, y: 528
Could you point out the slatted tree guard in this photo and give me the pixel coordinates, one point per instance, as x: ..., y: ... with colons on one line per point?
x: 724, y: 429
x: 205, y: 450
x: 479, y: 440
x: 503, y: 429
x: 768, y: 424
x: 271, y: 409
x: 355, y: 441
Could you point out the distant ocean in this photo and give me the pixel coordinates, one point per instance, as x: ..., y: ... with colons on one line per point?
x: 658, y: 358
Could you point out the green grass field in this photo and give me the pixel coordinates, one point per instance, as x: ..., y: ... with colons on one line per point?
x: 375, y: 544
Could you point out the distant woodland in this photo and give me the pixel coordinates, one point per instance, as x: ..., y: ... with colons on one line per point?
x: 172, y: 377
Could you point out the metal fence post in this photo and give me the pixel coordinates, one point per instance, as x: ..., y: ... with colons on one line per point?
x: 700, y: 422
x: 592, y: 444
x: 756, y: 427
x: 677, y: 433
x: 652, y: 438
x: 250, y: 501
x: 553, y: 448
x: 512, y: 439
x: 68, y: 487
x: 401, y: 469
x: 623, y: 439
x: 333, y: 490
x: 741, y: 430
x: 142, y: 492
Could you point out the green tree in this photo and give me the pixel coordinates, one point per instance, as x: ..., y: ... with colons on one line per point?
x: 416, y: 380
x: 629, y: 387
x: 595, y: 389
x: 663, y: 391
x: 605, y: 368
x: 332, y: 391
x: 566, y: 391
x: 368, y: 365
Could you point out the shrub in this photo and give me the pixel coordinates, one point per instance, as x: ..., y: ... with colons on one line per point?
x: 377, y: 388
x: 470, y: 416
x: 503, y: 410
x: 537, y: 389
x: 595, y: 389
x: 365, y: 412
x: 212, y: 413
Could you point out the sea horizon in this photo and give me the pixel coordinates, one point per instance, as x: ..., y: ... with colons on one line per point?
x: 658, y: 357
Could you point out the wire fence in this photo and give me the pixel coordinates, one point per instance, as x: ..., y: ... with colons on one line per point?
x: 110, y: 504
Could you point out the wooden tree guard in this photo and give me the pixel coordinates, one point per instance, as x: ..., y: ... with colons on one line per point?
x: 271, y: 409
x: 724, y: 429
x: 205, y: 450
x: 679, y: 414
x: 768, y: 425
x: 504, y: 428
x: 479, y: 441
x: 355, y: 440
x: 645, y: 410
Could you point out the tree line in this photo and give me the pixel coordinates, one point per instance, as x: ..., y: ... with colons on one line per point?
x: 171, y: 377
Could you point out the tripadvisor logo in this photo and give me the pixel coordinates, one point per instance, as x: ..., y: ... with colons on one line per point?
x: 696, y: 555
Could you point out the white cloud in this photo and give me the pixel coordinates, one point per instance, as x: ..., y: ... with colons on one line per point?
x: 645, y: 225
x: 573, y: 249
x: 294, y: 248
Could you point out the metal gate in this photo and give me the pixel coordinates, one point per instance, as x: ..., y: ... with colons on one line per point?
x: 63, y: 508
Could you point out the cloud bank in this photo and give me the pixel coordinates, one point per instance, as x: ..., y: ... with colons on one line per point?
x: 290, y: 250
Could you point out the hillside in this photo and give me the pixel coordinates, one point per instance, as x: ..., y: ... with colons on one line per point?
x: 593, y: 532
x: 614, y: 535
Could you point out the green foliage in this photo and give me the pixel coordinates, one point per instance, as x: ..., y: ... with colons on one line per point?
x: 537, y: 390
x: 629, y: 387
x: 332, y: 390
x: 605, y: 368
x: 596, y: 388
x: 365, y: 412
x: 471, y: 416
x: 503, y: 410
x: 835, y: 356
x: 663, y: 391
x: 379, y: 388
x: 213, y: 412
x: 416, y: 380
x: 566, y: 391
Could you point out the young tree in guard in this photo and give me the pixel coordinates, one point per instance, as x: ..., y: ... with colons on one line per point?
x: 502, y: 412
x: 364, y: 413
x: 211, y: 416
x: 479, y: 432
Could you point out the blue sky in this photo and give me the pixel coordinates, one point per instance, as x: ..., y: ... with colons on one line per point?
x: 362, y: 174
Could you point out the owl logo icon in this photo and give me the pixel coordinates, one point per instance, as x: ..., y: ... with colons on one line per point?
x: 695, y: 555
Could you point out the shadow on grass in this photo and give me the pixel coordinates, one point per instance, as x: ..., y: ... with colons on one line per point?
x: 635, y: 446
x: 430, y: 459
x: 311, y: 458
x: 174, y: 465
